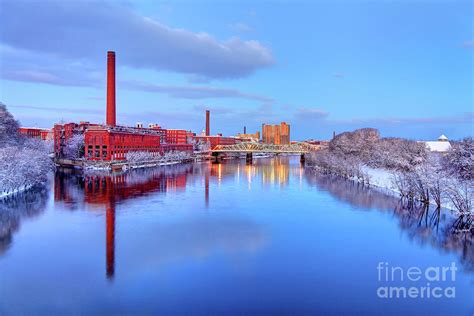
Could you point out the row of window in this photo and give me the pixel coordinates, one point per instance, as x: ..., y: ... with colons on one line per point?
x: 98, y: 151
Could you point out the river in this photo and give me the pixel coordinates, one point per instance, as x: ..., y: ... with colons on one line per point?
x: 229, y: 238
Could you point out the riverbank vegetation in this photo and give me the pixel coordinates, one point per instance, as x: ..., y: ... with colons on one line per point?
x: 24, y: 162
x: 407, y: 167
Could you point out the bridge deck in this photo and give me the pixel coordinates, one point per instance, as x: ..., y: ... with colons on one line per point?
x: 247, y: 147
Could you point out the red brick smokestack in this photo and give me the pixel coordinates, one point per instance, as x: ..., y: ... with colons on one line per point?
x: 208, y: 123
x: 110, y: 119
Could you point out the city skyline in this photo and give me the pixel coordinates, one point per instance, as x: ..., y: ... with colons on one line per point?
x: 320, y: 67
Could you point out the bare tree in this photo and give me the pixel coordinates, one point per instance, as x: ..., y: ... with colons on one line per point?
x: 461, y: 194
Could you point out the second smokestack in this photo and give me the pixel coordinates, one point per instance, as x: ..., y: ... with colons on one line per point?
x: 208, y: 123
x: 110, y: 116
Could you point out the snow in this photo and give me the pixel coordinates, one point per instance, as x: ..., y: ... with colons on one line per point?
x: 383, y: 179
x: 438, y: 146
x: 380, y: 178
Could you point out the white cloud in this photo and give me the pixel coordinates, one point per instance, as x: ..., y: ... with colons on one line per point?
x: 84, y: 31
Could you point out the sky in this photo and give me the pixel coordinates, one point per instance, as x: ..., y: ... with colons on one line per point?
x: 402, y: 66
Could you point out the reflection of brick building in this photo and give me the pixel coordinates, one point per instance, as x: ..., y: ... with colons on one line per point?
x: 276, y: 134
x: 108, y: 191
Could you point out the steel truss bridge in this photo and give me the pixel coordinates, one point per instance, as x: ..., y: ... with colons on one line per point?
x: 249, y: 147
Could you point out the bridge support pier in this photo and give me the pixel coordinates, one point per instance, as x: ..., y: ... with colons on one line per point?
x: 248, y: 158
x: 302, y: 158
x: 216, y: 157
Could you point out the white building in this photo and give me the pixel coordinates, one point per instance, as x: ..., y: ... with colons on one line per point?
x: 442, y: 145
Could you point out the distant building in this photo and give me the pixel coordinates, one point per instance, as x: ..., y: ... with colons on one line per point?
x: 36, y: 132
x: 276, y: 134
x: 322, y: 143
x: 249, y: 137
x: 442, y: 145
x: 217, y: 140
x: 176, y: 136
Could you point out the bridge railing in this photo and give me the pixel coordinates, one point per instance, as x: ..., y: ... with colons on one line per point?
x: 266, y: 148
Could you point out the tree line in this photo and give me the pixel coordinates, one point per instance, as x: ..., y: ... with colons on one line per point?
x: 416, y: 173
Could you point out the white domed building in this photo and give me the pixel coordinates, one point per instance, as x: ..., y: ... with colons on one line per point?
x: 442, y: 145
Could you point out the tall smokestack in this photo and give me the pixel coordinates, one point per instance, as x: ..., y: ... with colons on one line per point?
x: 110, y: 119
x: 245, y: 130
x: 208, y: 123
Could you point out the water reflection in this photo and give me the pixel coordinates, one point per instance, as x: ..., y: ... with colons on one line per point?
x: 15, y: 209
x: 104, y: 189
x: 104, y: 192
x: 439, y: 228
x: 147, y: 240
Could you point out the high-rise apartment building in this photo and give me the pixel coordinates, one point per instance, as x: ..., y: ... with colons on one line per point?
x: 276, y: 134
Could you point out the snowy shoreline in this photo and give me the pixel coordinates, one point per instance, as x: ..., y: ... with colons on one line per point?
x: 382, y: 181
x: 129, y: 166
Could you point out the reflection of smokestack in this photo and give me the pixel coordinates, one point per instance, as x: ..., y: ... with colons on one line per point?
x: 245, y: 130
x: 208, y: 123
x: 110, y: 239
x: 206, y: 188
x: 110, y: 120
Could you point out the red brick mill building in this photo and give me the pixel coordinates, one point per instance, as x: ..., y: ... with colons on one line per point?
x: 112, y: 142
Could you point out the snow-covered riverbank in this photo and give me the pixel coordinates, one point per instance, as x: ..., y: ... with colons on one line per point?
x: 403, y: 167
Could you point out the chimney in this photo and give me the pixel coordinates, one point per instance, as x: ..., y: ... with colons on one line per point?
x: 208, y: 123
x: 110, y: 119
x: 245, y: 130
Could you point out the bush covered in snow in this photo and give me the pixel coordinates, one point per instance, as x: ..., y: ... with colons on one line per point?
x: 24, y: 162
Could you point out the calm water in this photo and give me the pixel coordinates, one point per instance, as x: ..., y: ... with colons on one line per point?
x: 271, y: 238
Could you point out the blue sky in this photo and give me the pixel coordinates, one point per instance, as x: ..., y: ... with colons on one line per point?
x: 404, y: 67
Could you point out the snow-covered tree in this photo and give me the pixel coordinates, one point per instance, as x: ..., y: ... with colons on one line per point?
x: 200, y: 145
x: 8, y: 128
x: 398, y: 154
x: 460, y: 159
x: 74, y: 147
x: 461, y: 194
x: 23, y: 166
x: 24, y: 162
x: 358, y: 143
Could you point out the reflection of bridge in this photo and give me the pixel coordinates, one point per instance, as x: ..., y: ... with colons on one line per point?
x: 250, y: 148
